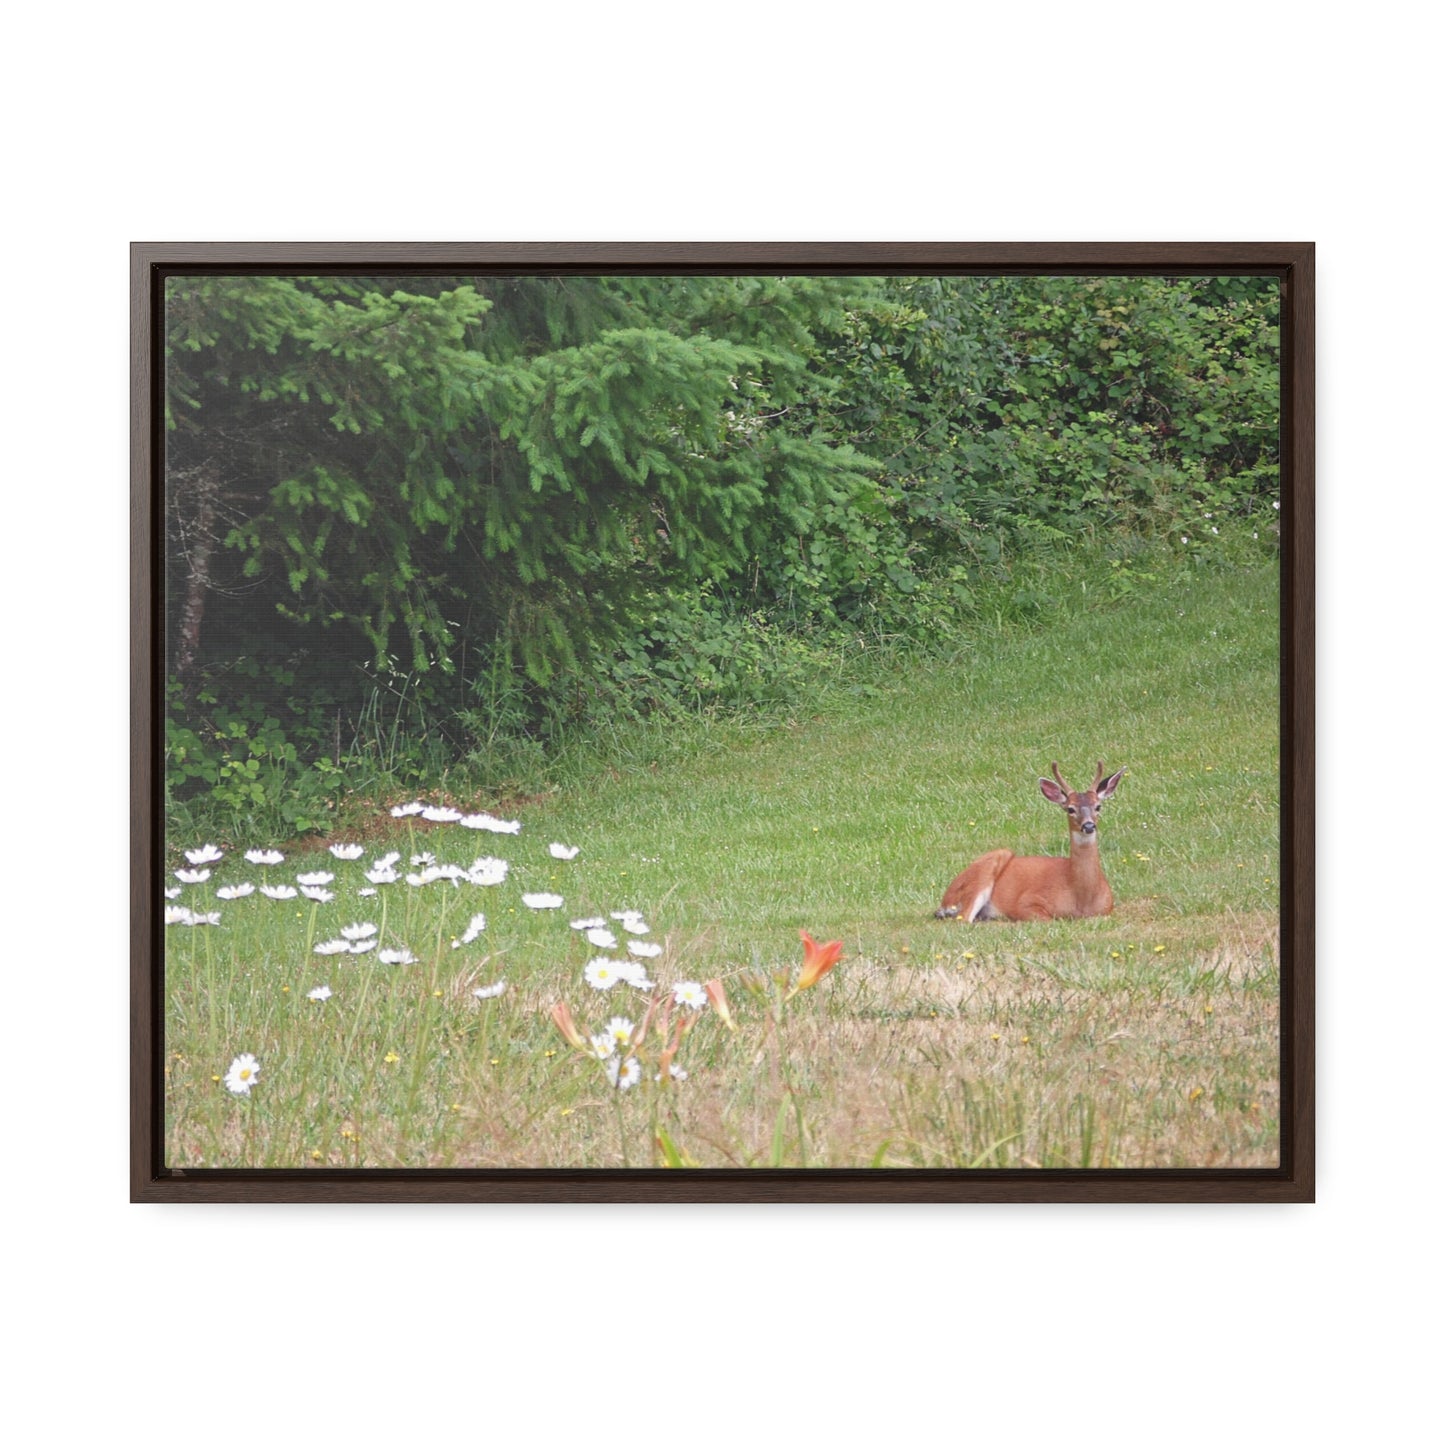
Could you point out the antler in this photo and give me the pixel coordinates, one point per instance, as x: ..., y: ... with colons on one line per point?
x: 1059, y: 779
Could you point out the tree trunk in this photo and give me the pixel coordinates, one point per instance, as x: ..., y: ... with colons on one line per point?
x: 198, y: 539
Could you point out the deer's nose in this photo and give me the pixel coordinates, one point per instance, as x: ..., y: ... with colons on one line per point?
x: 1089, y: 825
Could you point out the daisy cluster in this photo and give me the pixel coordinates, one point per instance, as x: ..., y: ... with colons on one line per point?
x: 618, y: 941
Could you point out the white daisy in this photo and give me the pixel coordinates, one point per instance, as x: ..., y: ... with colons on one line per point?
x: 171, y: 892
x: 601, y: 938
x: 441, y: 815
x: 366, y: 892
x: 352, y: 931
x: 620, y: 1029
x: 488, y: 872
x: 397, y: 955
x: 176, y: 914
x: 387, y: 860
x: 235, y: 890
x: 635, y: 925
x: 603, y: 1045
x: 473, y: 930
x: 317, y: 895
x: 489, y: 824
x: 630, y: 971
x: 193, y: 875
x: 582, y: 924
x: 423, y: 860
x: 645, y: 950
x: 346, y: 851
x: 494, y: 990
x: 601, y: 973
x: 278, y: 890
x: 542, y: 900
x: 557, y: 850
x: 628, y: 913
x: 315, y: 880
x: 691, y: 994
x: 196, y: 919
x: 678, y: 1074
x: 332, y: 945
x: 320, y: 994
x: 266, y: 857
x: 623, y: 1075
x: 206, y: 853
x: 379, y: 874
x: 241, y: 1076
x: 365, y: 945
x: 407, y: 810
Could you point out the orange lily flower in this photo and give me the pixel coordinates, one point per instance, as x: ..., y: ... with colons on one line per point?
x: 719, y: 1001
x: 562, y: 1017
x: 818, y: 958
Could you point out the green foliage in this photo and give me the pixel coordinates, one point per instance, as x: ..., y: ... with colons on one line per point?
x: 465, y: 515
x: 245, y: 762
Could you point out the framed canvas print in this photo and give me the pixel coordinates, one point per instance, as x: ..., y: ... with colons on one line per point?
x: 722, y: 722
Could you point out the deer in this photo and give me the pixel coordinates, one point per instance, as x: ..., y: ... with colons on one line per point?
x: 1003, y: 885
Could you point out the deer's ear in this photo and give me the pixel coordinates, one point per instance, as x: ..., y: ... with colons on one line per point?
x: 1053, y: 792
x: 1106, y: 788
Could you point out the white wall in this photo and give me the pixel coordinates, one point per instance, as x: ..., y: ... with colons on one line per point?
x: 782, y: 122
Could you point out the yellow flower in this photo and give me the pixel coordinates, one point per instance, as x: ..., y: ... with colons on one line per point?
x: 1158, y: 948
x: 1195, y: 1093
x: 392, y: 1057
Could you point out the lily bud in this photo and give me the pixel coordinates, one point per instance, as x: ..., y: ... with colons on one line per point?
x: 719, y: 1001
x: 562, y: 1017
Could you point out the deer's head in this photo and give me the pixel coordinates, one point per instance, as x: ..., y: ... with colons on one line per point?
x: 1082, y: 808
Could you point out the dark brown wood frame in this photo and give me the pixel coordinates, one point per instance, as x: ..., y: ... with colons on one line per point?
x: 1292, y: 1182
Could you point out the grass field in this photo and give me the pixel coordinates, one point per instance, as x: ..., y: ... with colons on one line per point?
x: 1145, y: 1039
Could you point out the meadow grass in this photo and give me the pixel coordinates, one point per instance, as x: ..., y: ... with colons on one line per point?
x: 1145, y: 1039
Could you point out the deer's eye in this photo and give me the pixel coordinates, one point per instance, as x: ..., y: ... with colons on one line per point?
x: 1071, y: 808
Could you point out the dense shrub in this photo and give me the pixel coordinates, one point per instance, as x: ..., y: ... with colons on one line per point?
x: 418, y: 523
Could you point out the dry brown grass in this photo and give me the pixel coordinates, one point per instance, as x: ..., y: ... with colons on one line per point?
x: 1001, y: 1060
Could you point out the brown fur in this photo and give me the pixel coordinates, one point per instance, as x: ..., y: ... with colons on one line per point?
x: 1001, y: 884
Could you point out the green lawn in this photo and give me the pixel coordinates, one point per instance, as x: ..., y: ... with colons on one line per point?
x: 1148, y: 1038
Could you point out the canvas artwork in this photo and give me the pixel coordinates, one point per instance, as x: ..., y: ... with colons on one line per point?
x: 620, y: 723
